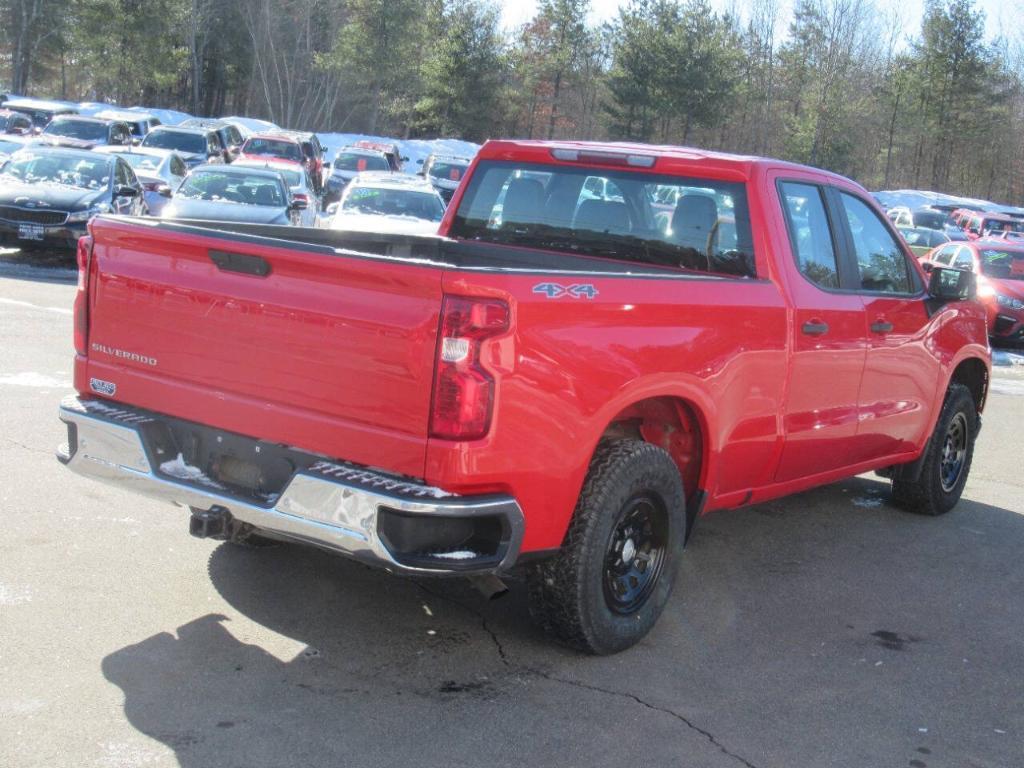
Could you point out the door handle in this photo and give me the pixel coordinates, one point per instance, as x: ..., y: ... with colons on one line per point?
x: 815, y: 328
x: 881, y: 326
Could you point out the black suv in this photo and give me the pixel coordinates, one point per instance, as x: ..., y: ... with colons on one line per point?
x: 195, y: 145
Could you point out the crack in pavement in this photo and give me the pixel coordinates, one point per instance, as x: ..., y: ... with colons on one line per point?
x: 664, y: 710
x: 584, y: 686
x: 27, y: 447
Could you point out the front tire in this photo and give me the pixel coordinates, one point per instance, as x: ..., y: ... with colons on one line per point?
x: 609, y: 583
x: 947, y: 460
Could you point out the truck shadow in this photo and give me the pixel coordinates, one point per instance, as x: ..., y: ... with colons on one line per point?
x: 318, y: 660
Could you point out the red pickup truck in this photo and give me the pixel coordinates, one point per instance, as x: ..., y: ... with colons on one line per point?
x: 557, y: 383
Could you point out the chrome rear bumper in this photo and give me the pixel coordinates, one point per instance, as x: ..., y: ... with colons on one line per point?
x: 332, y: 505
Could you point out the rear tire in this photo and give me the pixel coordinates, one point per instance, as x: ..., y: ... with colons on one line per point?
x: 609, y: 583
x: 947, y: 460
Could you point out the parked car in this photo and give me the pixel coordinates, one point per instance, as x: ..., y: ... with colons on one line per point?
x: 141, y: 123
x: 445, y: 172
x: 38, y: 111
x: 299, y: 184
x: 85, y: 132
x: 230, y: 136
x: 349, y: 163
x: 388, y: 203
x: 929, y: 218
x: 282, y: 146
x: 226, y: 193
x: 999, y: 270
x: 901, y: 216
x: 48, y: 194
x: 565, y: 392
x: 11, y: 143
x: 390, y: 150
x: 313, y: 154
x: 921, y: 241
x: 978, y: 225
x: 197, y: 146
x: 12, y: 122
x: 155, y: 169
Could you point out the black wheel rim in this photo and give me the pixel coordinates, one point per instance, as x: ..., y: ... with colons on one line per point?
x: 954, y: 452
x: 635, y: 555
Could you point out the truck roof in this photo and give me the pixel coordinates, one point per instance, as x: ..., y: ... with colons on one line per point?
x: 669, y: 158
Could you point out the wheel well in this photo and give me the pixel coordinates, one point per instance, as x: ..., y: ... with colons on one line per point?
x: 973, y: 374
x: 670, y: 423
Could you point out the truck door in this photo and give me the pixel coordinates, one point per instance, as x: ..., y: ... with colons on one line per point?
x: 829, y: 340
x: 900, y: 374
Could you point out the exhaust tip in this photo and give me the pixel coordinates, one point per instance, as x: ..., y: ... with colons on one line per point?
x: 489, y: 585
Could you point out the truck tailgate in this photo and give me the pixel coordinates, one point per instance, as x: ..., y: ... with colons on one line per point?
x: 326, y: 352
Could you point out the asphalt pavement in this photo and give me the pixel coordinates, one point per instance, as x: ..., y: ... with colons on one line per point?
x: 826, y: 629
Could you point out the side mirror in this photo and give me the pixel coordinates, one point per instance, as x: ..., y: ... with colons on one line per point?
x: 164, y: 191
x: 331, y: 209
x: 947, y: 284
x: 136, y: 141
x: 299, y: 204
x: 927, y: 266
x: 404, y: 159
x: 125, y: 191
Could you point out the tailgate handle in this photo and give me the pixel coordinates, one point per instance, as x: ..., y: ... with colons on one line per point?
x: 242, y: 263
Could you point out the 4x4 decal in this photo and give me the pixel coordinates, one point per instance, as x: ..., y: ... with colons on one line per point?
x: 574, y: 291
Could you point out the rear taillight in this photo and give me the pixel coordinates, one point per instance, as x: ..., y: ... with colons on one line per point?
x: 463, y: 388
x: 82, y: 296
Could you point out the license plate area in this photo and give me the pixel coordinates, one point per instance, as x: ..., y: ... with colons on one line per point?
x: 31, y: 231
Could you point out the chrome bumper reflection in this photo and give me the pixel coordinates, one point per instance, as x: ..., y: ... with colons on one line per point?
x: 329, y: 505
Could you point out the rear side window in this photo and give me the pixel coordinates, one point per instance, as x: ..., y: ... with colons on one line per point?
x: 944, y: 256
x: 617, y: 215
x: 880, y: 260
x: 810, y: 233
x: 964, y: 259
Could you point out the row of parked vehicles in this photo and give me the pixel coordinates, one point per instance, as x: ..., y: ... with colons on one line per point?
x: 988, y: 244
x: 55, y: 176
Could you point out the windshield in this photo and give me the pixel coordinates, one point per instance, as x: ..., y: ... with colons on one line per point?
x: 440, y: 169
x: 69, y: 170
x: 929, y: 219
x: 142, y: 162
x: 685, y: 223
x: 923, y: 237
x: 1001, y: 225
x: 7, y: 147
x: 223, y: 187
x: 351, y: 161
x: 194, y: 143
x: 1002, y: 264
x: 274, y: 147
x: 393, y: 202
x: 86, y: 130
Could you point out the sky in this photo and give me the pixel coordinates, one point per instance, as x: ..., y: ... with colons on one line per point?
x: 1000, y: 14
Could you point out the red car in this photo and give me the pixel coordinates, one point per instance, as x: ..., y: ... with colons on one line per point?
x: 558, y: 384
x: 979, y: 224
x: 998, y: 265
x: 264, y: 146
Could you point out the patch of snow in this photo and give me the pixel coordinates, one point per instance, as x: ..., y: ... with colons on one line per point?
x: 459, y: 554
x: 866, y: 502
x: 180, y: 469
x: 915, y: 198
x: 30, y: 379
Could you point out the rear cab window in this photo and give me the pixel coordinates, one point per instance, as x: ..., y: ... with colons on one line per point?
x: 611, y: 213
